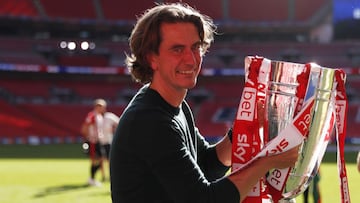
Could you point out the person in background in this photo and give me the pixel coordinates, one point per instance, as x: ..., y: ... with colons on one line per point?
x: 91, y: 130
x: 158, y: 154
x: 314, y: 189
x: 110, y: 122
x: 358, y: 161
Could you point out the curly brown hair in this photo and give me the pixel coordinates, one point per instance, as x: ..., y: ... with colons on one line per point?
x: 146, y: 36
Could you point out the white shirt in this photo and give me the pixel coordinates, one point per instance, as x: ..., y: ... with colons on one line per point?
x: 107, y: 127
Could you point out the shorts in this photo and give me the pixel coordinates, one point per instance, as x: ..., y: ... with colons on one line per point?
x: 93, y: 150
x: 105, y: 150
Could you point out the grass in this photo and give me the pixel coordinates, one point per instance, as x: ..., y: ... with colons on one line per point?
x: 58, y: 174
x: 330, y: 186
x: 48, y: 180
x: 47, y: 173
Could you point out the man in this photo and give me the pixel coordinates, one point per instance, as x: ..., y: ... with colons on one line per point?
x: 92, y: 130
x: 158, y: 154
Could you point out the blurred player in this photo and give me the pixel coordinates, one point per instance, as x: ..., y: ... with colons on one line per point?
x: 110, y: 122
x: 314, y: 189
x: 91, y: 130
x: 358, y: 161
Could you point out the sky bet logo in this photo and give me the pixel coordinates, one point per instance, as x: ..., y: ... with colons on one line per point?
x: 247, y: 105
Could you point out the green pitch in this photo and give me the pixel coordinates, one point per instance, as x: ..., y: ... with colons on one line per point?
x: 48, y: 173
x: 59, y: 173
x: 48, y: 180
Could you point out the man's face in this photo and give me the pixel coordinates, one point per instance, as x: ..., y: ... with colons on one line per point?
x: 100, y: 109
x: 179, y: 60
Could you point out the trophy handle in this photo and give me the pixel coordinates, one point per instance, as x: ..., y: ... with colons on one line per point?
x: 321, y: 129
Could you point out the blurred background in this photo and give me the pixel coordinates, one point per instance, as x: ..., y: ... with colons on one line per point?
x: 56, y: 57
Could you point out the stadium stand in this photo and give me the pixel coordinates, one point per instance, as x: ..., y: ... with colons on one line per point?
x: 18, y: 8
x: 119, y: 10
x: 69, y: 9
x: 328, y: 54
x: 83, y: 60
x: 90, y: 89
x: 353, y: 122
x: 221, y: 55
x: 20, y: 50
x: 20, y: 124
x: 306, y: 9
x: 272, y: 11
x: 215, y: 9
x: 207, y: 117
x: 26, y: 89
x: 53, y: 110
x: 266, y: 11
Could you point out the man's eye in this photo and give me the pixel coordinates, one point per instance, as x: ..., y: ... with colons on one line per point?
x: 177, y: 50
x: 196, y: 48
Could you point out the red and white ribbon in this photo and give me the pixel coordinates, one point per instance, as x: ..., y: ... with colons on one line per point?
x: 341, y: 115
x: 245, y: 143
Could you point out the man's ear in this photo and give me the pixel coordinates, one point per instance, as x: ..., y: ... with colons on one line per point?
x: 152, y: 59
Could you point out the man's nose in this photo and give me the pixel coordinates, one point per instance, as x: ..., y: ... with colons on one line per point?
x: 189, y: 57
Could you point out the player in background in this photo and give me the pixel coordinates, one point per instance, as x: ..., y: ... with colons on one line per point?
x: 91, y: 129
x: 110, y: 122
x: 358, y: 161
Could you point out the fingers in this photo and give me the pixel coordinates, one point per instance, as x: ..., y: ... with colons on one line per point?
x: 286, y: 159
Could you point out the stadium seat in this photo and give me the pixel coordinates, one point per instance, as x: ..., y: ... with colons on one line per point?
x: 18, y: 8
x: 80, y: 10
x: 124, y: 11
x: 266, y: 11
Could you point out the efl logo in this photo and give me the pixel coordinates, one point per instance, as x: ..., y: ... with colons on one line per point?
x: 246, y: 109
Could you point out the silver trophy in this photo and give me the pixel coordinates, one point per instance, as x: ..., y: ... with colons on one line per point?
x: 295, y: 104
x: 283, y: 101
x: 321, y: 127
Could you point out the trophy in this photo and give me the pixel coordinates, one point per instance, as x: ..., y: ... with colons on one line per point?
x: 288, y: 104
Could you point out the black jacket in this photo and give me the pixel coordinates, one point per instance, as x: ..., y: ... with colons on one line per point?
x: 158, y: 155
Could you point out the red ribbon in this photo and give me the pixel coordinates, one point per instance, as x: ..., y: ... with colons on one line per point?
x: 341, y: 115
x: 246, y: 141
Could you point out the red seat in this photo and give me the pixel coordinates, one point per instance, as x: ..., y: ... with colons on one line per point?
x: 353, y: 121
x: 258, y: 10
x: 18, y: 8
x: 16, y: 117
x: 69, y: 9
x: 119, y: 10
